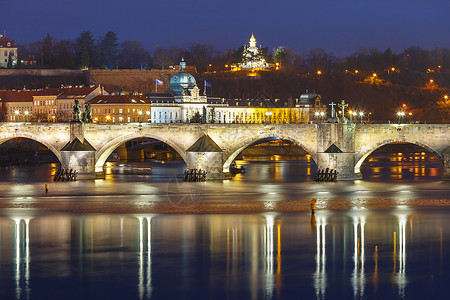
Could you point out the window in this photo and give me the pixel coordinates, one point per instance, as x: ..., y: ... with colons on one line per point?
x: 120, y: 110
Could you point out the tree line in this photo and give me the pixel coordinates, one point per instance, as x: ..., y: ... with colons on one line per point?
x: 106, y: 52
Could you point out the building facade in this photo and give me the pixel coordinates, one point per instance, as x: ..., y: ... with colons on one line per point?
x: 8, y: 52
x: 120, y: 109
x: 185, y: 104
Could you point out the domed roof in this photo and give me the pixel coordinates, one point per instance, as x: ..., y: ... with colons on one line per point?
x: 182, y: 81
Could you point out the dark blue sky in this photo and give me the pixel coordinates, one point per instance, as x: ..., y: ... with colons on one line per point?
x: 338, y: 26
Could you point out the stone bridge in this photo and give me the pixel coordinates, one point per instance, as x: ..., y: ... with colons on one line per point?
x: 213, y: 147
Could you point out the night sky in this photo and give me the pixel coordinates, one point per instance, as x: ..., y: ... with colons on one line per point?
x: 338, y: 26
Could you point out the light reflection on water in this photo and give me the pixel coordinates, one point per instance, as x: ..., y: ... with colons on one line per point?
x: 405, y: 167
x: 361, y: 252
x: 357, y: 253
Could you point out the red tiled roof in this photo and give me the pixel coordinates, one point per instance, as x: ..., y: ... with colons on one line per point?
x: 24, y: 96
x: 6, y: 95
x: 75, y: 91
x: 4, y: 42
x: 117, y: 99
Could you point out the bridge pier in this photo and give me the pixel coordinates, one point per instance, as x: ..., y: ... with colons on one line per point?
x: 211, y: 162
x: 81, y: 161
x: 343, y: 163
x: 78, y: 155
x: 446, y: 175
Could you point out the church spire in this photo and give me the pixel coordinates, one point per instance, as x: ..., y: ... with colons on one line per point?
x: 252, y: 41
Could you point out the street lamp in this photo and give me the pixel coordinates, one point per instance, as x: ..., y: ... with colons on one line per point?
x: 268, y: 116
x: 26, y: 115
x: 401, y: 115
x: 17, y: 115
x: 361, y: 115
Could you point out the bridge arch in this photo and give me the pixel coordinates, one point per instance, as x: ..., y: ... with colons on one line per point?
x: 245, y: 143
x: 103, y: 153
x: 361, y: 157
x: 5, y: 138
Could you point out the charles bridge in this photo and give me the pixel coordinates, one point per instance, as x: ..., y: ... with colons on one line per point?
x: 213, y: 147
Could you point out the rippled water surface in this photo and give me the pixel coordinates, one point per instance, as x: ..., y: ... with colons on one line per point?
x: 398, y: 249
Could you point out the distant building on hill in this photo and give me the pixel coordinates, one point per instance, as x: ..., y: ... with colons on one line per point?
x: 8, y: 52
x: 252, y: 58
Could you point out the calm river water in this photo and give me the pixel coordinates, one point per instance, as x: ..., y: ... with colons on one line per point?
x: 387, y: 236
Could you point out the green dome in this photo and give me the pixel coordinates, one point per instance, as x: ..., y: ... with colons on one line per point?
x: 182, y: 81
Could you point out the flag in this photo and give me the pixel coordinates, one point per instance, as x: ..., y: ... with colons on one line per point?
x: 207, y: 84
x: 159, y: 82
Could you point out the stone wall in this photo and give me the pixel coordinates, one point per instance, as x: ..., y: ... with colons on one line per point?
x: 132, y: 80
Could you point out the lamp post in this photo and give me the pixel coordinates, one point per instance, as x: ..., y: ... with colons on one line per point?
x: 361, y: 115
x: 26, y: 115
x: 17, y: 115
x: 268, y: 116
x: 401, y: 115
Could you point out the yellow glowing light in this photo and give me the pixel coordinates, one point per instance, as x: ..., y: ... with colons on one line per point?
x: 410, y: 114
x: 374, y: 74
x: 319, y: 72
x: 431, y: 80
x: 226, y: 66
x: 392, y: 69
x: 108, y: 117
x: 445, y: 97
x: 356, y: 71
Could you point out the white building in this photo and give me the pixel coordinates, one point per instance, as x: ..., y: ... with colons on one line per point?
x: 8, y: 50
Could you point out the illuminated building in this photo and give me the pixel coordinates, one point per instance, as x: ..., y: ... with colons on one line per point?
x: 8, y: 50
x: 252, y: 58
x: 120, y: 109
x: 184, y: 103
x: 45, y: 105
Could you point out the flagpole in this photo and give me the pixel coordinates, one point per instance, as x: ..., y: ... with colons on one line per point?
x: 204, y: 90
x: 156, y: 86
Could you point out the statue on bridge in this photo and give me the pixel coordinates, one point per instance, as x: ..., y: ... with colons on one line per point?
x: 87, y: 114
x: 76, y: 113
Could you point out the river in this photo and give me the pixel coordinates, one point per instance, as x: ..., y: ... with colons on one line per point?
x: 143, y: 234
